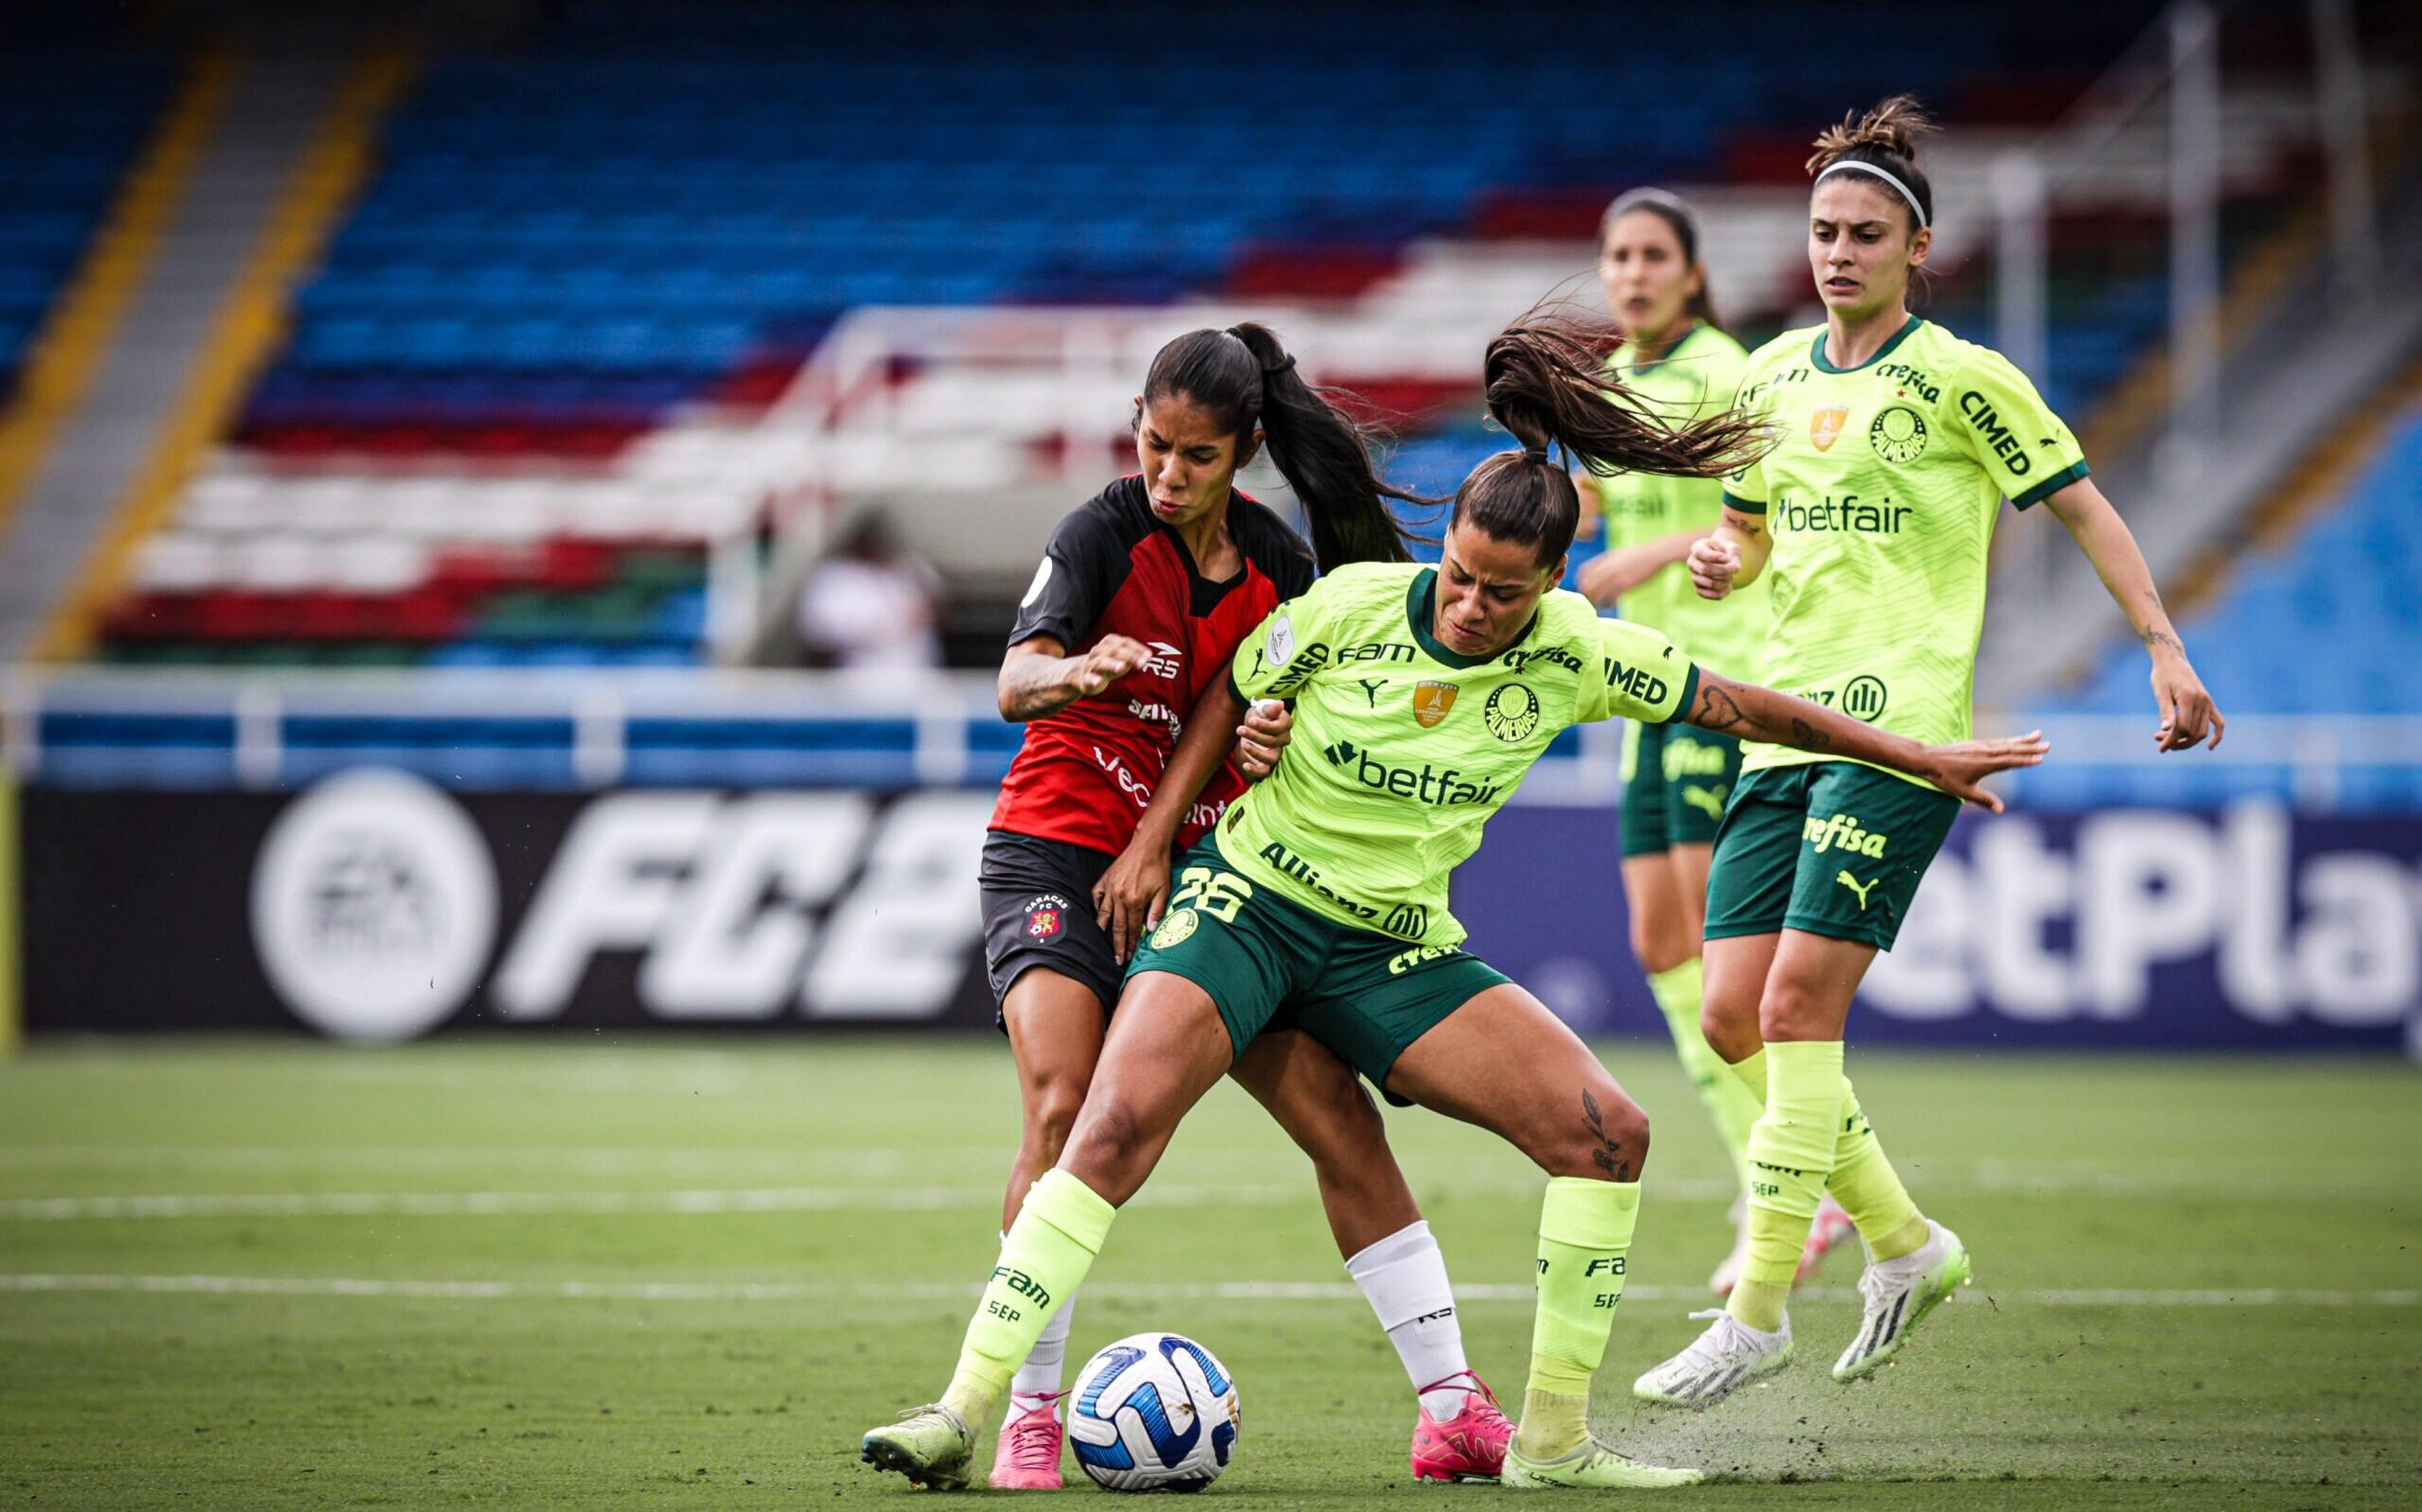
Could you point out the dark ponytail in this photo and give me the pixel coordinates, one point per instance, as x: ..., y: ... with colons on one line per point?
x: 1676, y: 212
x: 1246, y: 378
x: 1548, y: 385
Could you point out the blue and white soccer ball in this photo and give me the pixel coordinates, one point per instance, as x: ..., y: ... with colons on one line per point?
x: 1154, y: 1412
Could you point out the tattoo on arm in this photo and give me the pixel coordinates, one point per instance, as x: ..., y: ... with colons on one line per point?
x: 1031, y: 686
x: 1608, y: 1156
x: 2156, y: 632
x: 1717, y: 709
x: 1808, y: 737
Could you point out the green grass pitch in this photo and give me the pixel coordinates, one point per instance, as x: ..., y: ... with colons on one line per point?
x: 688, y: 1275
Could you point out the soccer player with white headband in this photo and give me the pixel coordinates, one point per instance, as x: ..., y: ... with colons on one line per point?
x: 1869, y: 523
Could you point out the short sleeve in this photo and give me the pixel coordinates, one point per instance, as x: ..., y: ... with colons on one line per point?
x: 1745, y: 487
x: 1292, y: 643
x: 1640, y: 676
x: 2006, y: 426
x: 1082, y: 565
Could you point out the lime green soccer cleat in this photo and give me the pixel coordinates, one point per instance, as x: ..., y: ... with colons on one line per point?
x: 1590, y: 1466
x: 930, y: 1445
x: 1899, y: 1293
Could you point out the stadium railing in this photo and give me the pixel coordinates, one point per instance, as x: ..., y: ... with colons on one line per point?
x: 476, y: 729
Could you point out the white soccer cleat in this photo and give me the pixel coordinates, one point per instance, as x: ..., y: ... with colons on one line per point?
x: 1720, y: 1362
x: 1899, y: 1294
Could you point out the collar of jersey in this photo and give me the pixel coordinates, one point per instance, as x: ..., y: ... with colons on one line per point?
x: 1671, y: 352
x: 1816, y: 349
x: 1417, y: 604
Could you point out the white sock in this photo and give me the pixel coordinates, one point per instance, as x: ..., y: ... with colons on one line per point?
x: 1039, y: 1378
x: 1404, y: 1277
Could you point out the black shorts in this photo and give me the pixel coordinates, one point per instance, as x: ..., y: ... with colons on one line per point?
x: 1038, y: 911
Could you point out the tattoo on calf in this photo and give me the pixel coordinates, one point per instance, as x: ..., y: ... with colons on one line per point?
x: 1608, y: 1156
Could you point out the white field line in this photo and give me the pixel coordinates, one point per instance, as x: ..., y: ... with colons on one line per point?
x: 1258, y: 1291
x: 872, y: 1195
x: 704, y: 1166
x: 510, y: 1203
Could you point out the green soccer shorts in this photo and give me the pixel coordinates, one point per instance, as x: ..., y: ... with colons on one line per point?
x: 1676, y: 779
x: 1268, y: 962
x: 1831, y: 848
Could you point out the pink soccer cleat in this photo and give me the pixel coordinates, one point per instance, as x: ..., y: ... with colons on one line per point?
x: 1028, y: 1457
x: 1469, y: 1445
x: 1833, y: 1226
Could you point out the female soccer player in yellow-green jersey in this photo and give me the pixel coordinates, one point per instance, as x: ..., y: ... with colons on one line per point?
x: 1319, y: 902
x: 1677, y: 777
x: 1869, y: 522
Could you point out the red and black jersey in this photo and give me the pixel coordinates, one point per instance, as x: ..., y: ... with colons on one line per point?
x: 1086, y: 773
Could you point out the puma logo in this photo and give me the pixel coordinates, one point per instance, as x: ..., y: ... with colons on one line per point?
x: 1710, y: 798
x: 1854, y: 885
x: 1370, y: 687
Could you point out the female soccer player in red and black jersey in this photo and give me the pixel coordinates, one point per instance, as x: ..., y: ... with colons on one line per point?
x: 1118, y: 664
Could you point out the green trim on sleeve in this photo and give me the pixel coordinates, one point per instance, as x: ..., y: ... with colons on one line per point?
x: 1747, y: 507
x: 2052, y: 485
x: 1689, y: 696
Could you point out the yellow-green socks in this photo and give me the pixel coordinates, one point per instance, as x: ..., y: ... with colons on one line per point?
x: 1864, y: 1180
x: 1790, y: 1153
x: 1043, y: 1260
x: 1585, y: 1236
x: 1730, y: 1105
x: 1869, y: 1190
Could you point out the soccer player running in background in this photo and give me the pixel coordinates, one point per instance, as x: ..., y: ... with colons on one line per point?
x: 1870, y: 521
x: 1676, y: 357
x: 1122, y: 643
x: 1423, y: 697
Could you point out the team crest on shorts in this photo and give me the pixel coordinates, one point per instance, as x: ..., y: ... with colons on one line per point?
x: 1825, y: 426
x: 1431, y: 701
x: 1046, y: 917
x: 1512, y: 713
x: 1175, y: 929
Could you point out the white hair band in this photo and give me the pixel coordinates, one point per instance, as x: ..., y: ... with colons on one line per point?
x: 1849, y: 166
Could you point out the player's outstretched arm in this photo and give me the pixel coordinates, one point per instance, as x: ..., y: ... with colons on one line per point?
x: 1750, y: 713
x: 1732, y: 557
x: 1039, y: 677
x: 2187, y: 708
x: 1609, y: 576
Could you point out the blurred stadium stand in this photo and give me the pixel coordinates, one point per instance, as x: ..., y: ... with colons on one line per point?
x: 642, y: 297
x: 74, y: 116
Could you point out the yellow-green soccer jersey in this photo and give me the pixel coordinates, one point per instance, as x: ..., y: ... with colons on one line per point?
x: 1403, y: 749
x: 1881, y: 498
x: 1696, y: 379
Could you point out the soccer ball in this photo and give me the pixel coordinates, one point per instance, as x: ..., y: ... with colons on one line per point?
x: 1154, y: 1412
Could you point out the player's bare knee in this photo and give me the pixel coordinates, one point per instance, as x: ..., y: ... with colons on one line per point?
x: 1791, y: 1010
x: 1660, y: 949
x: 1729, y: 1033
x: 1051, y: 1112
x: 1620, y: 1133
x: 1346, y: 1140
x: 1111, y: 1150
x: 1601, y: 1134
